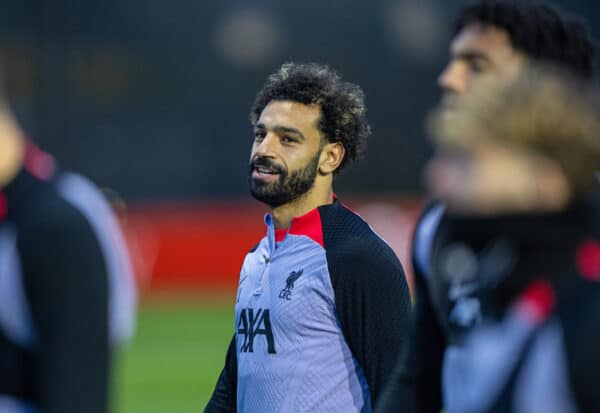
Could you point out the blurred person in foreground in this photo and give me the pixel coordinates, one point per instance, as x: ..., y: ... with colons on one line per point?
x: 66, y: 285
x: 322, y: 304
x: 494, y: 39
x: 514, y: 165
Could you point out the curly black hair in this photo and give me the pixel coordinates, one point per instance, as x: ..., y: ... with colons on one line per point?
x: 538, y: 30
x: 343, y: 110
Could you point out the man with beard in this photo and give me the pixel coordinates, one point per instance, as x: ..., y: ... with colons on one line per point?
x: 322, y: 304
x: 523, y: 224
x: 494, y: 39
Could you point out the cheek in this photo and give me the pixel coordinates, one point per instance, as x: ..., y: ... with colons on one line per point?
x: 253, y: 149
x: 296, y: 158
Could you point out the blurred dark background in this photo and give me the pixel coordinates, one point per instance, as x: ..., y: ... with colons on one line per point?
x: 151, y: 97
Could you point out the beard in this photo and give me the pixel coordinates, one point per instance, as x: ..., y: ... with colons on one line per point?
x: 289, y: 186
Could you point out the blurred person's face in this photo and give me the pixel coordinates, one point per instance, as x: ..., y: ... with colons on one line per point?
x: 488, y: 178
x: 478, y: 51
x: 284, y: 161
x: 12, y: 147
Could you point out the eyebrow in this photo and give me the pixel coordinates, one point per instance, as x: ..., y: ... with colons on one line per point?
x: 472, y: 55
x: 282, y: 129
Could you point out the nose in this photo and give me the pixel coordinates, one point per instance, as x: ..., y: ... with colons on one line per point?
x: 266, y: 147
x: 453, y: 78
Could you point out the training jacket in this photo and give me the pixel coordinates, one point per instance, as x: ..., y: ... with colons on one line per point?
x: 66, y: 291
x: 531, y: 342
x: 321, y: 315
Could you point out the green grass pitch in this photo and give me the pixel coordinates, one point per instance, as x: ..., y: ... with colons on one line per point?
x: 176, y: 356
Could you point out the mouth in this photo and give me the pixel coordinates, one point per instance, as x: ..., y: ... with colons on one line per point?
x: 449, y: 102
x: 265, y: 173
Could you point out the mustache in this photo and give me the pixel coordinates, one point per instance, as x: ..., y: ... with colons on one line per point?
x: 449, y: 100
x: 266, y: 163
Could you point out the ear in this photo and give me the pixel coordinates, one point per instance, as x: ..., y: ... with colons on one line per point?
x: 331, y: 157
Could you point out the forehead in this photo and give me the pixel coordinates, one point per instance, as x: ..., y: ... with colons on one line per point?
x: 486, y: 40
x: 290, y: 114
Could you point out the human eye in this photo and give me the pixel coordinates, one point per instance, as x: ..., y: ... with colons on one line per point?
x: 259, y: 135
x: 288, y: 140
x: 478, y: 66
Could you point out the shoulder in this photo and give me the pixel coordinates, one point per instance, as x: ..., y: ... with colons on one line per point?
x: 352, y: 245
x: 427, y: 226
x: 252, y: 255
x: 344, y: 231
x: 254, y: 248
x: 48, y: 213
x: 430, y: 219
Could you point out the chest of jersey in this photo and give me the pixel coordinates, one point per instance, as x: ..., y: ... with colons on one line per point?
x: 284, y: 299
x: 292, y: 354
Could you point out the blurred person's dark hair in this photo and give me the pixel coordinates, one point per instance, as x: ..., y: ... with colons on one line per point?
x: 539, y: 30
x: 343, y: 110
x: 544, y: 111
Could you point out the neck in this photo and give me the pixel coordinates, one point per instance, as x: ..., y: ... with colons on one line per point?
x: 315, y: 197
x: 12, y: 148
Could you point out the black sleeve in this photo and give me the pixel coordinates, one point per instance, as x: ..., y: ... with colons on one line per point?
x: 66, y: 284
x: 223, y: 399
x: 16, y: 364
x: 415, y: 385
x: 373, y: 304
x: 580, y: 315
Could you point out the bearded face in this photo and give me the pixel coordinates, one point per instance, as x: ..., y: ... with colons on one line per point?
x: 274, y: 185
